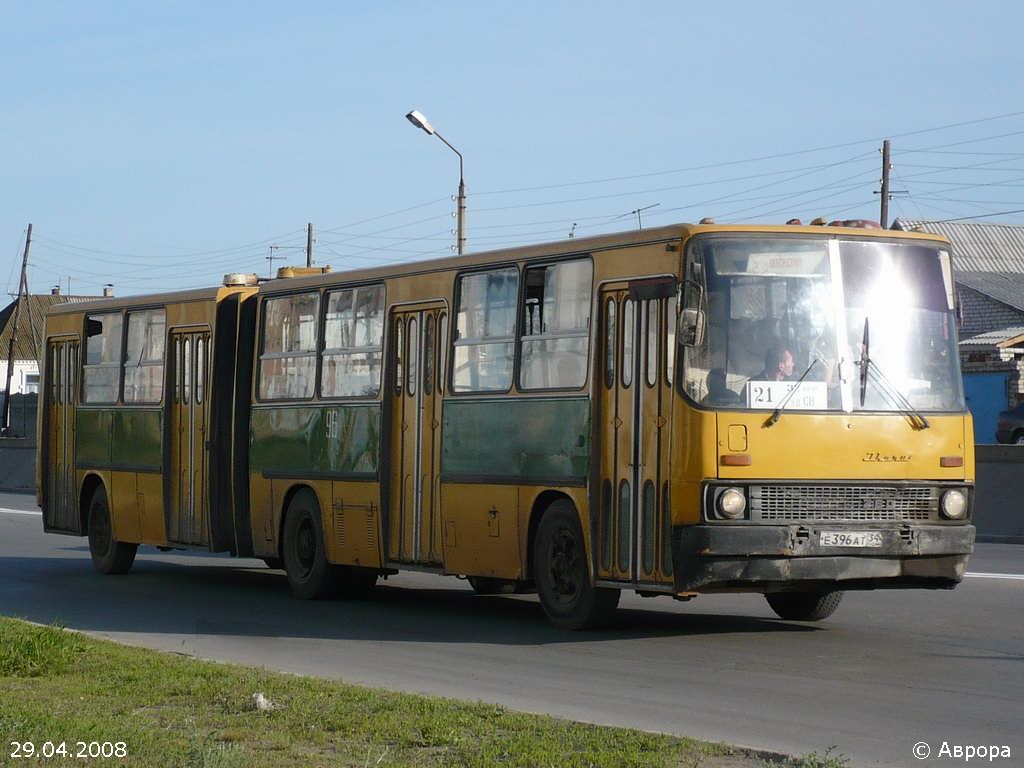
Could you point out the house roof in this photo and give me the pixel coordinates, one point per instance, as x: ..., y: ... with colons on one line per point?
x: 1004, y: 287
x: 997, y: 338
x: 31, y: 324
x: 977, y: 246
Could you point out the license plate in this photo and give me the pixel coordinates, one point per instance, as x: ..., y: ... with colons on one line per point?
x: 851, y: 539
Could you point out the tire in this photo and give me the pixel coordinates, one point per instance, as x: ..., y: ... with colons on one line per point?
x: 804, y: 606
x: 562, y: 573
x: 1018, y: 438
x: 109, y: 556
x: 274, y: 563
x: 483, y: 585
x: 310, y: 576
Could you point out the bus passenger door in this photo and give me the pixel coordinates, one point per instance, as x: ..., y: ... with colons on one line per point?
x: 187, y: 513
x: 633, y: 523
x: 414, y: 520
x: 61, y: 505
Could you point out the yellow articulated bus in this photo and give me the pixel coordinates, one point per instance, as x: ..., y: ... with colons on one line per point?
x: 676, y: 411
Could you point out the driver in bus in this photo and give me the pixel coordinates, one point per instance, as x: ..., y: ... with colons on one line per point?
x: 778, y: 364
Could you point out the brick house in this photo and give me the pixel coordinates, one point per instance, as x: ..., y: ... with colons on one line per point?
x: 988, y: 270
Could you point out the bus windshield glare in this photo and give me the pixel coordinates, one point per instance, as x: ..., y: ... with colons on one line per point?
x: 868, y: 325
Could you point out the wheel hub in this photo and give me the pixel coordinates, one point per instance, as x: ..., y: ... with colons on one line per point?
x: 305, y: 547
x: 565, y: 565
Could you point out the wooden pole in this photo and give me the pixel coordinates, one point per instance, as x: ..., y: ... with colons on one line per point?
x: 884, y: 218
x: 5, y: 421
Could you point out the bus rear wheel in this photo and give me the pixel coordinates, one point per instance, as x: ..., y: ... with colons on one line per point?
x: 804, y: 606
x: 562, y: 575
x: 310, y: 576
x: 109, y: 556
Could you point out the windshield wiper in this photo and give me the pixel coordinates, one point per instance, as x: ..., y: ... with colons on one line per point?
x: 777, y: 413
x: 865, y: 363
x: 891, y: 393
x: 897, y: 399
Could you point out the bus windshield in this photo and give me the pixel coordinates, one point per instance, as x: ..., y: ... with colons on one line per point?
x: 862, y: 325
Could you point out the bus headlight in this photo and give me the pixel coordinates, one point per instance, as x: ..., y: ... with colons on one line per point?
x: 954, y: 504
x: 732, y: 504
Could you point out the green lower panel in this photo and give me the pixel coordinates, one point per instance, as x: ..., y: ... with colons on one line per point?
x: 316, y: 439
x: 547, y: 439
x: 93, y: 433
x: 138, y: 439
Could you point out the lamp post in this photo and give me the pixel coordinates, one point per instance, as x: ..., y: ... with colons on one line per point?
x: 417, y: 119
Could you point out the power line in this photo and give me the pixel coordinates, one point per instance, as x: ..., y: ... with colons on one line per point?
x: 983, y: 216
x: 762, y: 158
x: 180, y: 256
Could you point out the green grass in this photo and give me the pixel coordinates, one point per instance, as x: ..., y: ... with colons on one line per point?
x: 813, y: 760
x: 60, y: 686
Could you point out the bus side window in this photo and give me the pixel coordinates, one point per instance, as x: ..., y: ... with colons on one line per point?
x: 144, y: 361
x: 56, y: 371
x: 289, y: 347
x: 628, y: 313
x: 353, y: 342
x: 102, y: 358
x: 442, y: 351
x: 177, y: 369
x: 412, y: 348
x: 186, y: 369
x: 556, y: 325
x: 71, y: 374
x: 200, y: 368
x: 399, y: 325
x: 609, y: 342
x: 670, y: 339
x: 485, y: 326
x: 428, y: 356
x: 652, y: 342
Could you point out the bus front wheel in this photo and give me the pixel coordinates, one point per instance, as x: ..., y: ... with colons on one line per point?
x: 804, y: 606
x: 109, y: 556
x: 568, y: 596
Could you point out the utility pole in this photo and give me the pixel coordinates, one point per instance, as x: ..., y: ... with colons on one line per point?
x: 884, y: 217
x: 271, y: 259
x: 5, y: 422
x: 309, y: 245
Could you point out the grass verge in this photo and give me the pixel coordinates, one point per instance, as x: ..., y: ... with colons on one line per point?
x: 59, y: 686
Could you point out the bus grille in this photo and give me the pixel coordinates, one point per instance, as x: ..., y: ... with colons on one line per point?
x: 770, y: 503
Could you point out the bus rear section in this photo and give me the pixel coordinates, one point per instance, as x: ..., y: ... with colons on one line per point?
x: 137, y: 425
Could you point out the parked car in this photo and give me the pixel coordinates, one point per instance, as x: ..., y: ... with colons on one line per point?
x: 1010, y: 426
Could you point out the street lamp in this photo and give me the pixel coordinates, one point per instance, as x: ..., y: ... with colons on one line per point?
x: 417, y: 119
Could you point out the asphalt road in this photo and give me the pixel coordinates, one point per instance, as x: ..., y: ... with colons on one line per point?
x: 888, y: 670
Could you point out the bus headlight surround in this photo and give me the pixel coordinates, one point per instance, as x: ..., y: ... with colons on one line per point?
x: 732, y: 504
x: 954, y: 504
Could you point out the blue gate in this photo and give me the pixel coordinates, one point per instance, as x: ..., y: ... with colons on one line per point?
x: 986, y: 397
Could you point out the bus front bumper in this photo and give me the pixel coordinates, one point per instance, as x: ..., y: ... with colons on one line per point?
x: 762, y: 558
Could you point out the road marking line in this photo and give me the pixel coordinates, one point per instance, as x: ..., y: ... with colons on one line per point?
x: 1014, y: 576
x: 19, y: 512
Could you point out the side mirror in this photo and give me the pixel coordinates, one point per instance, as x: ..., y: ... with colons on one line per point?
x: 691, y: 317
x: 691, y: 327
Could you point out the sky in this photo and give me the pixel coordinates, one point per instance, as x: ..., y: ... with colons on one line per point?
x: 158, y: 146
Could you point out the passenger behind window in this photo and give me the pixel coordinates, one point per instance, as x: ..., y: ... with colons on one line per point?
x: 718, y: 390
